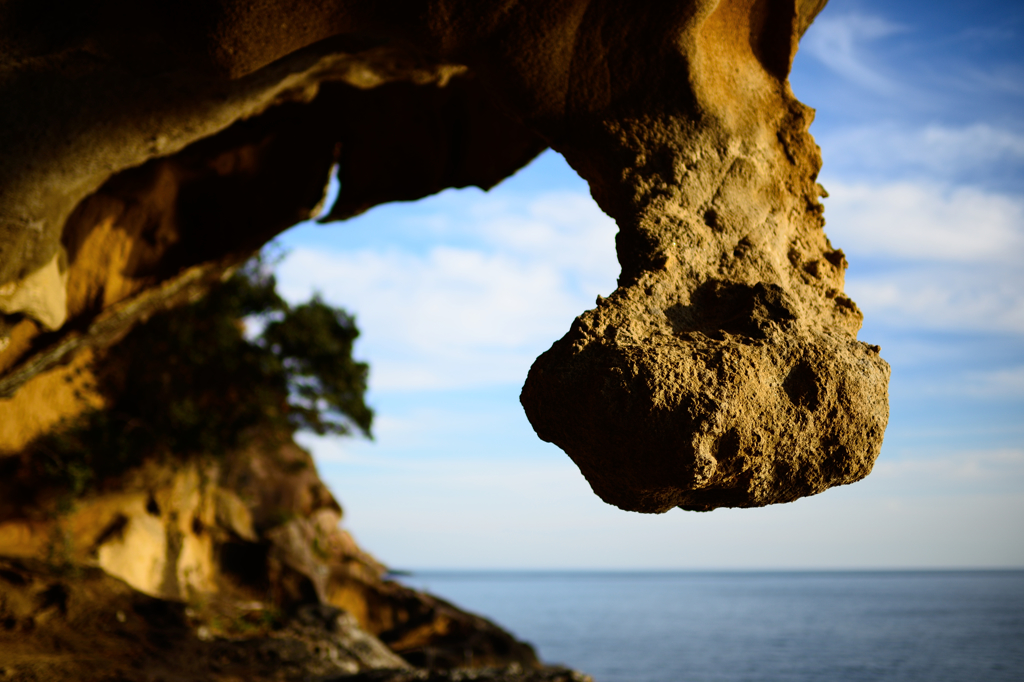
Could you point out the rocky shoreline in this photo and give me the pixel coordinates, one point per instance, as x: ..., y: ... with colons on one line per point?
x: 179, y: 571
x: 174, y: 530
x: 79, y: 623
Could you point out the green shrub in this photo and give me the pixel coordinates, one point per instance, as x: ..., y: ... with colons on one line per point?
x: 191, y: 382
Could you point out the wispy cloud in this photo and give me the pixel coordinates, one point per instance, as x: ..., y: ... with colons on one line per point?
x: 839, y: 42
x: 414, y: 436
x: 925, y: 221
x: 476, y: 314
x: 963, y: 471
x: 943, y: 298
x: 934, y: 151
x: 1007, y: 382
x: 999, y: 78
x: 932, y: 257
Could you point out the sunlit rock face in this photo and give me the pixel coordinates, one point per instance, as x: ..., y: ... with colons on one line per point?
x: 725, y: 370
x: 253, y: 531
x: 152, y: 148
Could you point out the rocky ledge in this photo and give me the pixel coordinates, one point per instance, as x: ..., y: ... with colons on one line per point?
x: 229, y: 568
x: 224, y: 568
x: 81, y: 624
x: 175, y: 525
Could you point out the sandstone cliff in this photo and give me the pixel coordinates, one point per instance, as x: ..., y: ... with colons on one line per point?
x: 226, y: 568
x: 182, y: 480
x: 148, y: 153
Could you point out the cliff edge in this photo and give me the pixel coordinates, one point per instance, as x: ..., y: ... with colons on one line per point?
x: 177, y: 508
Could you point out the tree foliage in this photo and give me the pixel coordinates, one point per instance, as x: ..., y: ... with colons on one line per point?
x: 192, y: 381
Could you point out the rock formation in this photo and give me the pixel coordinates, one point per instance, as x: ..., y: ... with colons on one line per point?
x: 184, y: 483
x: 150, y: 149
x: 231, y: 566
x: 57, y: 626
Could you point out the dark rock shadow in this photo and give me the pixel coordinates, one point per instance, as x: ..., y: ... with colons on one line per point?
x: 719, y: 308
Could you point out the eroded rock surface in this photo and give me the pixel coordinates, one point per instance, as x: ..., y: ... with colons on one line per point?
x: 86, y: 625
x: 82, y: 624
x: 183, y: 481
x: 240, y: 540
x: 725, y: 370
x: 148, y: 150
x: 148, y: 154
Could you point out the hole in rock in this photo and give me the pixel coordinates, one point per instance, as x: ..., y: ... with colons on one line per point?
x: 114, y: 530
x: 54, y: 596
x: 802, y: 386
x: 245, y: 562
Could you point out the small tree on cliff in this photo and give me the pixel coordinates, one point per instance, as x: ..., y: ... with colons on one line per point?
x: 192, y: 382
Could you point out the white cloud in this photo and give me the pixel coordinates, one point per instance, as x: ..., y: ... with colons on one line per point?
x: 1006, y: 382
x: 1008, y: 78
x: 923, y: 221
x: 976, y: 143
x: 930, y: 256
x: 961, y: 299
x: 566, y: 230
x: 453, y: 317
x: 838, y: 43
x: 955, y: 509
x: 476, y: 314
x: 981, y: 469
x: 413, y: 439
x: 936, y: 150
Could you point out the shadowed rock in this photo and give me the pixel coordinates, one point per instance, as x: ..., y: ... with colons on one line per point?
x: 86, y: 625
x: 724, y: 371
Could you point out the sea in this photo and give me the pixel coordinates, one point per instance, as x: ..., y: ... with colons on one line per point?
x: 829, y: 626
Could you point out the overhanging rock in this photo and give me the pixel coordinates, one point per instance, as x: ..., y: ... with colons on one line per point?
x: 724, y: 371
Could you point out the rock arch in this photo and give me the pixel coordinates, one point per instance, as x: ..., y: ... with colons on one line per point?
x: 148, y: 150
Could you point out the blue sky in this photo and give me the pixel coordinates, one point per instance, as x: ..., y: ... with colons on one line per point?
x: 920, y: 116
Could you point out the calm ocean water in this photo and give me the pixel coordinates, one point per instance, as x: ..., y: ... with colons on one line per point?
x: 929, y: 626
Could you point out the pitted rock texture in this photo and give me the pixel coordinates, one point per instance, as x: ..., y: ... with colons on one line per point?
x: 679, y: 412
x: 724, y: 371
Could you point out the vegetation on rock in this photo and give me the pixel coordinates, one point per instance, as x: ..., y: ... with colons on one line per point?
x: 192, y: 381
